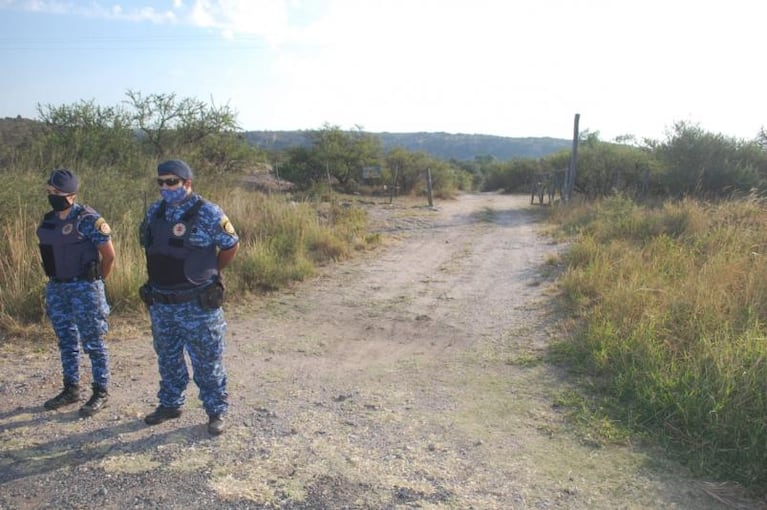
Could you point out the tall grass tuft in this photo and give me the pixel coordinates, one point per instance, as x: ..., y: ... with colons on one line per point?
x: 21, y: 292
x: 285, y: 241
x: 673, y: 300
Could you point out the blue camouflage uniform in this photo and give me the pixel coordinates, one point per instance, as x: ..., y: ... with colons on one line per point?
x: 74, y: 295
x: 181, y: 243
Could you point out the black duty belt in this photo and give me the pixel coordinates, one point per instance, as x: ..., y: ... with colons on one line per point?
x: 73, y: 280
x: 210, y: 296
x: 175, y: 299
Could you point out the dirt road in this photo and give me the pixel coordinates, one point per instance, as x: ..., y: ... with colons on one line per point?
x: 413, y: 377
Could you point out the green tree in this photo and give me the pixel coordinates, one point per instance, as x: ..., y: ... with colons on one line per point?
x: 478, y: 168
x: 409, y: 168
x: 344, y: 153
x: 226, y: 153
x: 604, y: 168
x: 447, y: 178
x: 515, y: 175
x: 171, y: 125
x: 86, y: 133
x: 301, y: 167
x: 704, y: 164
x: 332, y: 153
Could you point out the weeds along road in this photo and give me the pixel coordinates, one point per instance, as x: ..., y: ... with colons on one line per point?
x: 410, y: 377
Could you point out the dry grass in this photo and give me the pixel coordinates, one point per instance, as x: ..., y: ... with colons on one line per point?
x: 674, y: 305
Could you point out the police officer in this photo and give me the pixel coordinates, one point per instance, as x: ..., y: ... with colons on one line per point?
x: 77, y: 254
x: 188, y: 241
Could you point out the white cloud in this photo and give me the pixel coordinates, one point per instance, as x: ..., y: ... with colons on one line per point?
x: 47, y: 6
x: 234, y: 18
x: 202, y: 14
x: 149, y: 14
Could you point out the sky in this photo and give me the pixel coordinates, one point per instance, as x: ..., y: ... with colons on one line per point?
x: 516, y: 68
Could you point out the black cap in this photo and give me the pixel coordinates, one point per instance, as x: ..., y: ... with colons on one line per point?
x: 176, y: 167
x: 64, y: 180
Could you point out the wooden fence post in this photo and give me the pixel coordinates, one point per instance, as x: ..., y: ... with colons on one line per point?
x: 394, y: 185
x: 570, y: 184
x: 428, y: 187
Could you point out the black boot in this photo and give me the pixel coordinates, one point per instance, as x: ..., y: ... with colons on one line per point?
x: 162, y: 414
x: 69, y: 395
x: 215, y: 424
x: 94, y: 404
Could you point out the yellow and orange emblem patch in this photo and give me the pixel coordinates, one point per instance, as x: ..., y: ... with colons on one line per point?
x: 102, y: 227
x: 227, y: 226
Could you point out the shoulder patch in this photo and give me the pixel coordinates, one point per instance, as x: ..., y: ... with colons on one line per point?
x: 102, y: 227
x: 227, y: 226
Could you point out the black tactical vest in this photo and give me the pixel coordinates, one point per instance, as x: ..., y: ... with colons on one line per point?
x: 172, y: 262
x: 66, y: 253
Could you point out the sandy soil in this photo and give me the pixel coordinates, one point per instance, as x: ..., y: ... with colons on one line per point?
x: 411, y: 377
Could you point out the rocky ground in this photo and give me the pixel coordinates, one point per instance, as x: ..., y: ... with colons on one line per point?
x: 410, y: 377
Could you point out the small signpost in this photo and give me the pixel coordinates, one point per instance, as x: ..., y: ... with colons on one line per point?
x: 371, y: 172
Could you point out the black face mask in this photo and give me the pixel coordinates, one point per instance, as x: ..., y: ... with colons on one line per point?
x: 59, y: 202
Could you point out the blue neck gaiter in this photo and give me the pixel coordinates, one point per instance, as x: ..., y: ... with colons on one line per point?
x: 173, y: 196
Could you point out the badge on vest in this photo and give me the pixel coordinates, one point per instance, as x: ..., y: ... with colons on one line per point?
x: 179, y: 229
x: 67, y: 229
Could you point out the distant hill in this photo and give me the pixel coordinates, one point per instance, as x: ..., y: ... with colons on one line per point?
x: 461, y: 147
x: 16, y: 131
x: 440, y: 145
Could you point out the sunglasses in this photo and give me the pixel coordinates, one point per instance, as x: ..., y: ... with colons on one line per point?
x: 54, y: 191
x: 168, y: 182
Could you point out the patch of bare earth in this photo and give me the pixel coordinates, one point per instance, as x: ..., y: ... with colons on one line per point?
x: 411, y: 377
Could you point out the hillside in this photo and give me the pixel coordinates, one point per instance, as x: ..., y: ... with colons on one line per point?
x: 16, y: 131
x: 461, y: 147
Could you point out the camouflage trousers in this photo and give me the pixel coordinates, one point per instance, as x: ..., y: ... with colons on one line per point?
x: 78, y: 312
x: 187, y: 327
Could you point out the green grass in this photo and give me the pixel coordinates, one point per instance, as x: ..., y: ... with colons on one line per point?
x: 671, y: 303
